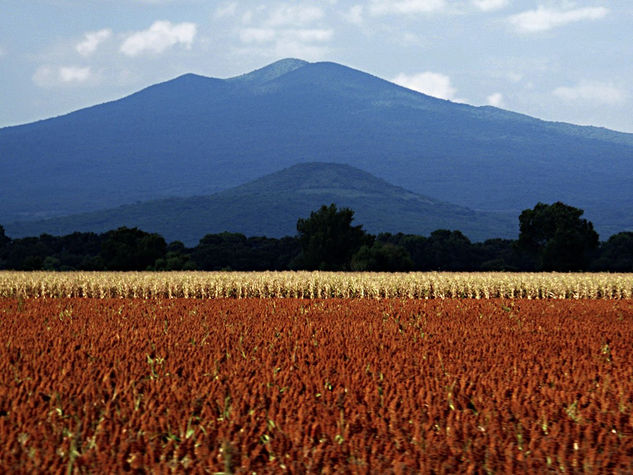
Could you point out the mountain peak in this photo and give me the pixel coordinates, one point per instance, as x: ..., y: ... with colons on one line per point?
x: 351, y: 82
x: 270, y: 72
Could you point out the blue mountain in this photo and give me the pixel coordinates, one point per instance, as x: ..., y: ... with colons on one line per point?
x: 195, y: 135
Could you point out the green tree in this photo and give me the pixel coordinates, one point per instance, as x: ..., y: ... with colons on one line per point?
x: 131, y: 249
x: 382, y: 257
x: 616, y: 254
x: 497, y: 255
x: 328, y: 240
x: 555, y: 238
x: 176, y: 258
x: 4, y: 239
x: 220, y: 251
x: 450, y: 251
x: 4, y: 248
x: 235, y: 251
x: 443, y: 250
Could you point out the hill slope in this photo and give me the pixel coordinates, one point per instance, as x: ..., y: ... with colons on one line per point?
x: 271, y: 205
x: 195, y: 135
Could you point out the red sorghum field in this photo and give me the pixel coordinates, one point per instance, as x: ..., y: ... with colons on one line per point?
x: 271, y: 385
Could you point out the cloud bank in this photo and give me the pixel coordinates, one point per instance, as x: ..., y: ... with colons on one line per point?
x: 285, y: 30
x: 161, y: 36
x: 544, y: 19
x: 46, y: 76
x: 489, y: 5
x: 405, y: 7
x: 430, y: 83
x: 495, y: 100
x: 594, y: 92
x: 354, y: 15
x: 294, y: 15
x: 92, y: 41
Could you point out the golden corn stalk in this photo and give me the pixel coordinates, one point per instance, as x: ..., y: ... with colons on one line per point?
x: 419, y: 285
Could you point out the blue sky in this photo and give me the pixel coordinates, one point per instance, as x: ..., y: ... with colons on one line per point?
x: 560, y: 60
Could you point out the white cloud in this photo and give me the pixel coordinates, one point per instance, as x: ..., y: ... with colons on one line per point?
x: 594, y: 92
x: 267, y: 35
x: 543, y: 18
x: 407, y: 38
x: 495, y: 99
x: 56, y: 75
x: 489, y: 5
x: 296, y: 49
x: 92, y: 41
x: 247, y: 17
x: 354, y: 15
x: 227, y: 10
x: 514, y: 76
x: 159, y: 37
x: 74, y: 74
x: 287, y: 30
x: 157, y: 2
x: 430, y: 83
x: 294, y: 15
x: 44, y: 76
x: 309, y: 35
x: 257, y: 35
x: 389, y: 7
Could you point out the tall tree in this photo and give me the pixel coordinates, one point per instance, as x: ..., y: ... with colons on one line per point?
x: 617, y: 253
x: 382, y: 257
x: 4, y: 239
x: 450, y: 251
x: 328, y: 240
x: 131, y: 249
x: 556, y: 238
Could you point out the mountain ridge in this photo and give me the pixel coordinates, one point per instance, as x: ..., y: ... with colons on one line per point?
x: 269, y: 72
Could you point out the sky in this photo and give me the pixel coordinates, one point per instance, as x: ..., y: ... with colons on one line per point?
x: 560, y: 60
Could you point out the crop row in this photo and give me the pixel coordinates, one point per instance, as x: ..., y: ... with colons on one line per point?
x: 309, y: 386
x: 316, y: 285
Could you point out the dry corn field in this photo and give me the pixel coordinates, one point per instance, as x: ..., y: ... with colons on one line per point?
x: 316, y: 386
x: 316, y: 285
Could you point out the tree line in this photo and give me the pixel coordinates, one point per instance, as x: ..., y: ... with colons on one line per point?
x: 551, y: 238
